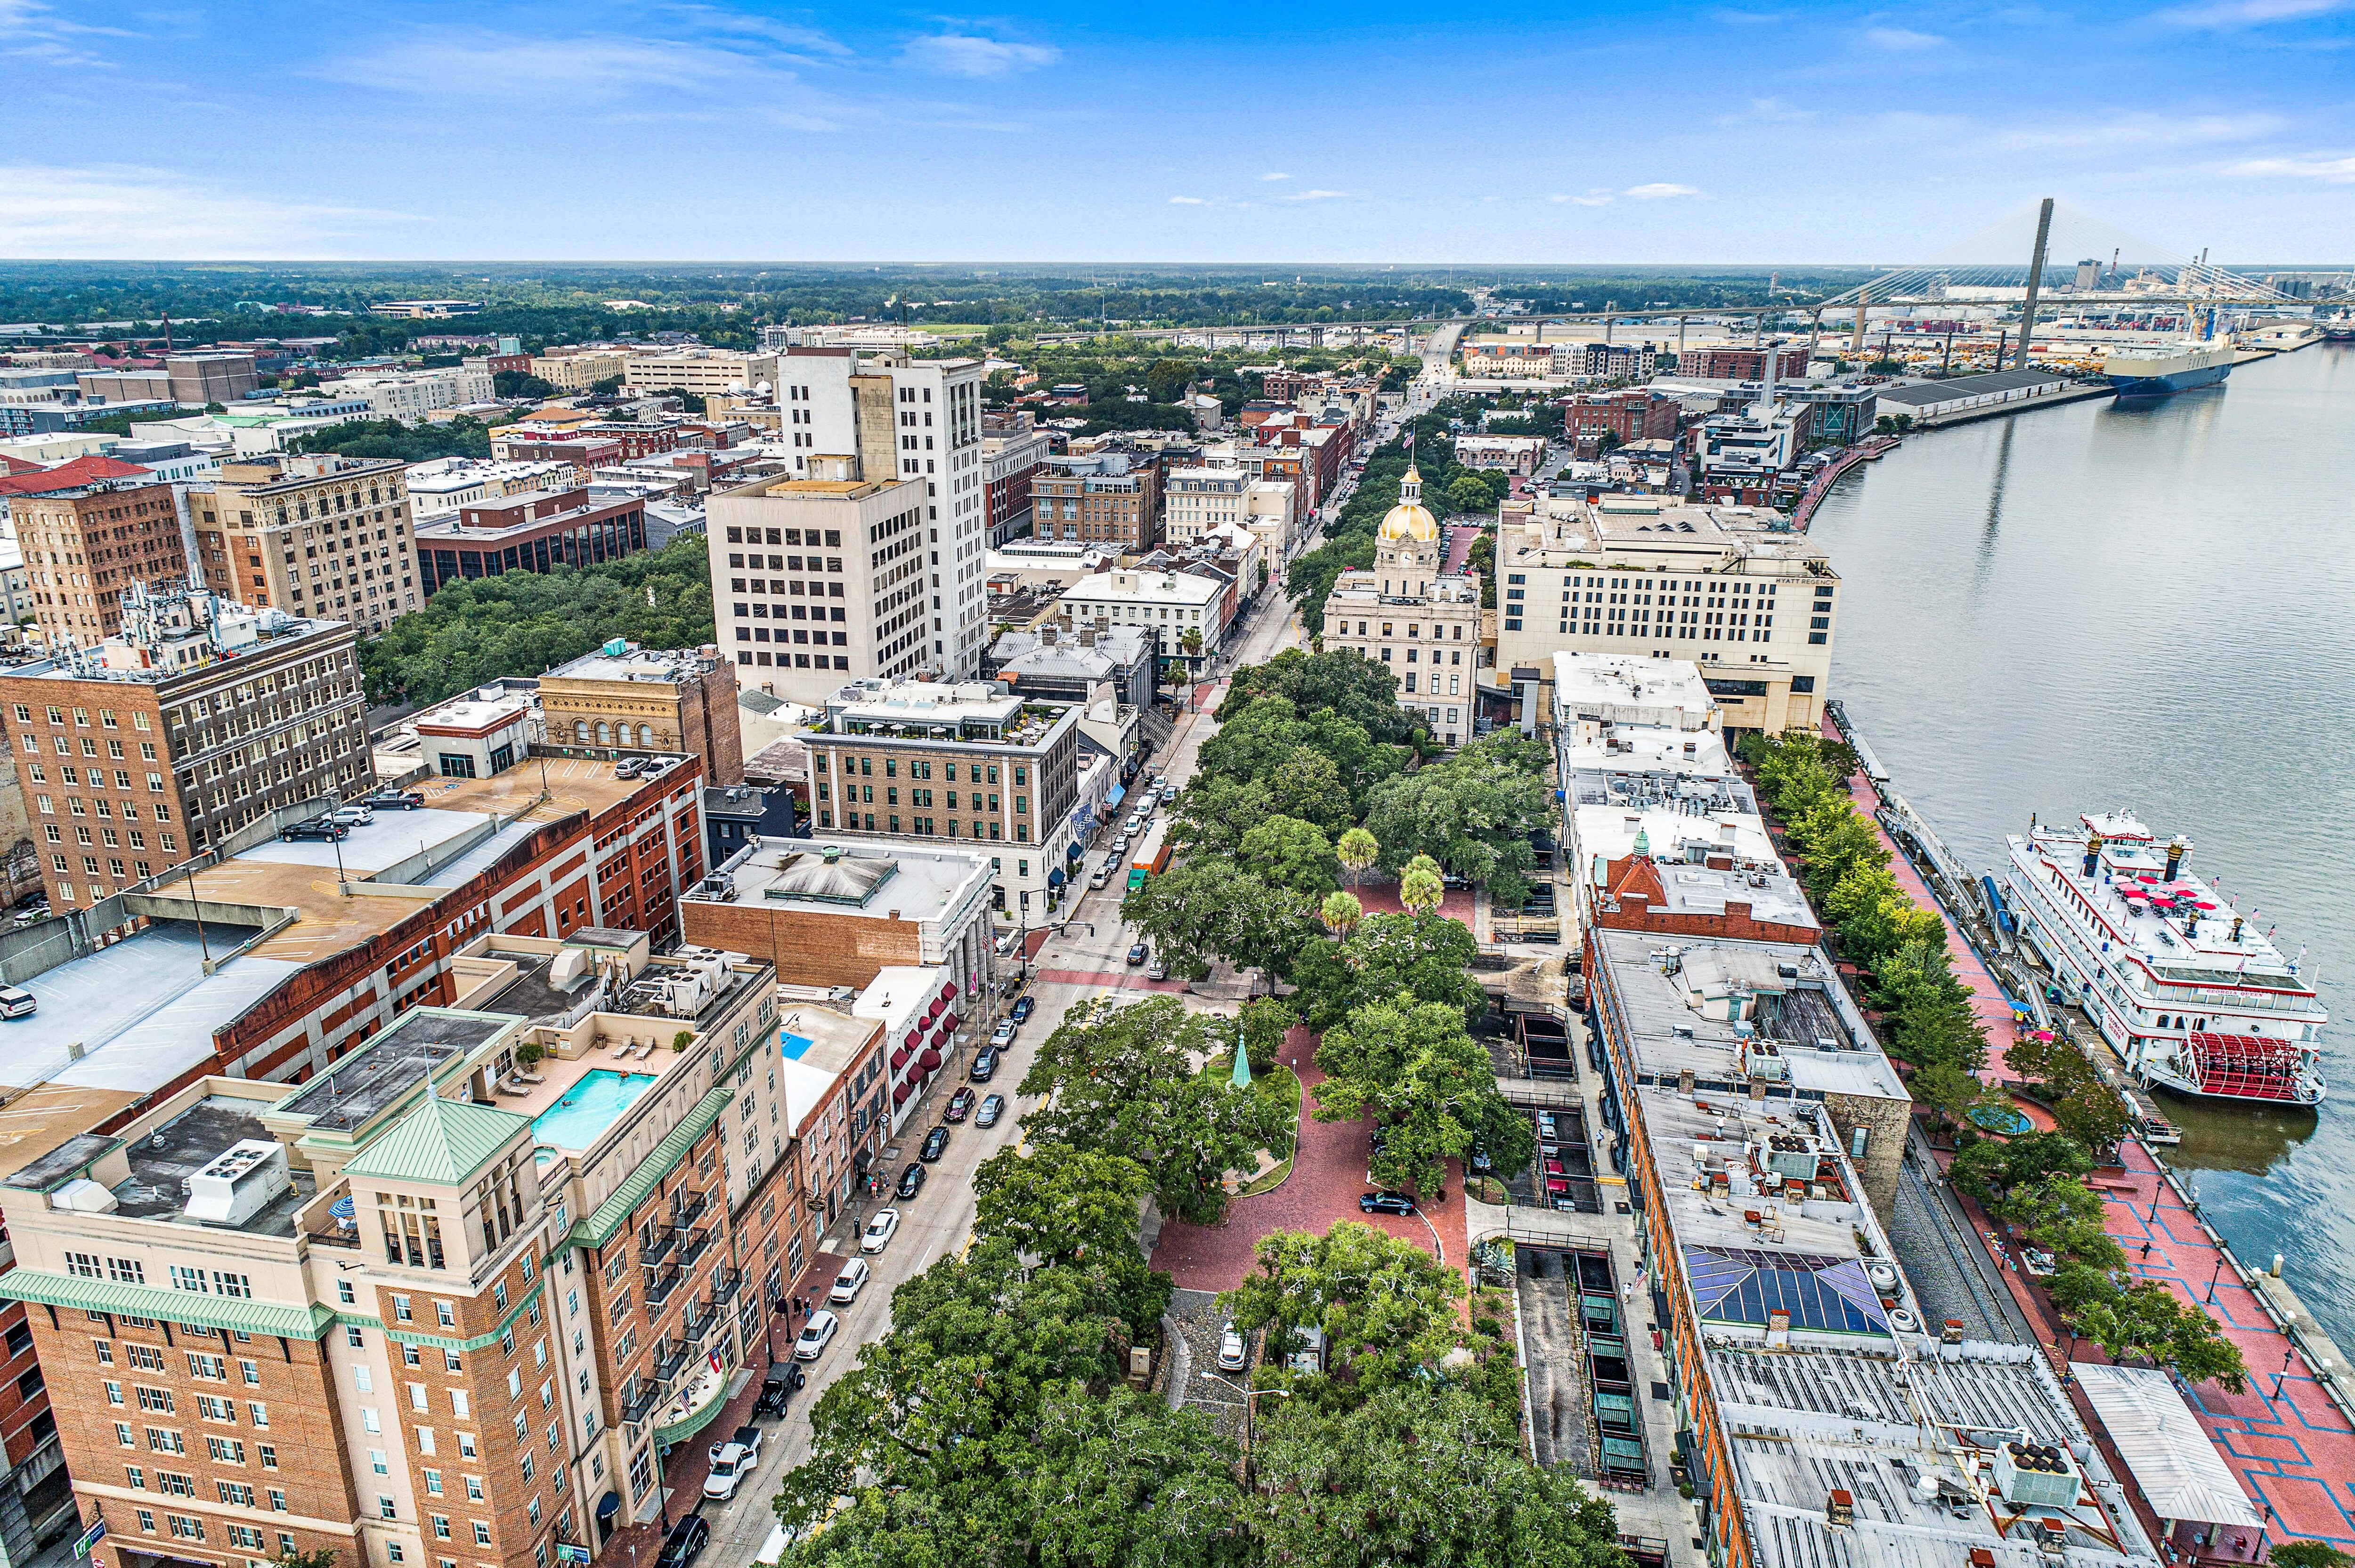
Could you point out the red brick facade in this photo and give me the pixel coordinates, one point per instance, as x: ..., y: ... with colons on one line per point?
x: 1634, y: 885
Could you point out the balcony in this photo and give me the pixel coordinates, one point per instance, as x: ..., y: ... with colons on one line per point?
x: 724, y: 1286
x: 697, y: 1321
x: 651, y: 1253
x: 669, y: 1356
x: 661, y: 1287
x: 685, y: 1213
x: 693, y: 1245
x: 639, y: 1399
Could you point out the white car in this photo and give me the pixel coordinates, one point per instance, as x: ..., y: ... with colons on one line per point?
x: 847, y: 1283
x: 817, y: 1334
x: 16, y: 1002
x: 1232, y: 1349
x: 727, y: 1472
x: 880, y: 1230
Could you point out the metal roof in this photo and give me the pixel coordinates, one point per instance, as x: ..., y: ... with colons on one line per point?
x: 442, y: 1141
x: 1958, y: 389
x: 2169, y: 1454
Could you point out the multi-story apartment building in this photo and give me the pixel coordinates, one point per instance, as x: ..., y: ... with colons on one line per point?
x: 533, y: 531
x: 1626, y: 416
x: 830, y: 913
x: 409, y: 396
x: 312, y: 534
x: 202, y: 716
x: 84, y: 545
x: 1732, y: 364
x: 702, y: 371
x: 1110, y: 498
x: 624, y: 698
x: 1417, y: 619
x: 1011, y: 451
x: 1729, y: 587
x: 925, y: 760
x: 1168, y: 603
x: 428, y: 1308
x: 820, y: 580
x: 445, y: 485
x: 580, y: 369
x: 1198, y: 499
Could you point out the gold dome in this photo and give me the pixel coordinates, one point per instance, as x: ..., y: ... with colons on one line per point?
x: 1410, y: 519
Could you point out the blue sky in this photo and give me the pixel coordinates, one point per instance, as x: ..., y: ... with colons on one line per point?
x: 731, y: 129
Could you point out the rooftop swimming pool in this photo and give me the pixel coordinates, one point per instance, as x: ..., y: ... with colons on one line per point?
x: 588, y: 1108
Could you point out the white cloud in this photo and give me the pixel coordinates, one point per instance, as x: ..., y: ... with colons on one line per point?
x: 594, y: 67
x: 1901, y: 39
x: 126, y: 210
x: 2331, y: 170
x: 2137, y: 132
x: 1658, y: 192
x: 1275, y: 176
x: 1314, y: 195
x: 971, y: 55
x: 1185, y: 201
x: 30, y: 30
x: 1591, y: 198
x: 2249, y: 13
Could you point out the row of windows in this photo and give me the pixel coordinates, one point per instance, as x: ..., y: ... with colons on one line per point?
x: 833, y: 540
x: 799, y: 660
x: 854, y: 821
x: 1413, y: 629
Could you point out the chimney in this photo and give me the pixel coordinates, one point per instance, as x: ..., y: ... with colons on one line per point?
x: 1839, y: 1507
x: 1046, y: 637
x: 1685, y: 1082
x: 2176, y: 850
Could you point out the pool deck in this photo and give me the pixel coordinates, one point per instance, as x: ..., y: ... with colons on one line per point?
x: 564, y: 1076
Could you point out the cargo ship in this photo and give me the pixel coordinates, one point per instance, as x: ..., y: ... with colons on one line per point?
x: 2161, y: 372
x: 2193, y: 998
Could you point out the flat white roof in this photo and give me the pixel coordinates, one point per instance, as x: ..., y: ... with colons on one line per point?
x: 2165, y: 1448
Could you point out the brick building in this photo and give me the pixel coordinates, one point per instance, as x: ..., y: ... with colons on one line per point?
x: 84, y: 545
x: 314, y: 535
x: 533, y: 532
x: 201, y: 719
x: 1106, y: 498
x: 624, y: 698
x: 829, y: 913
x: 1630, y: 415
x: 1729, y: 364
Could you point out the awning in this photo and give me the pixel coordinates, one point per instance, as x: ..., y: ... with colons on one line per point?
x: 900, y: 1093
x: 899, y: 1058
x: 930, y: 1060
x: 949, y: 1023
x: 2169, y: 1453
x: 940, y: 1038
x: 1119, y: 793
x: 948, y: 991
x: 1073, y: 851
x: 1055, y: 878
x: 915, y: 1037
x: 608, y: 1506
x: 934, y: 1011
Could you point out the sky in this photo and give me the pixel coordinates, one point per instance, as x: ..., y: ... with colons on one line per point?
x: 730, y: 129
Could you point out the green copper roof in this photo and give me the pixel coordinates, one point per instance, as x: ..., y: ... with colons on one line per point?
x: 614, y: 1211
x: 241, y: 1313
x: 443, y: 1141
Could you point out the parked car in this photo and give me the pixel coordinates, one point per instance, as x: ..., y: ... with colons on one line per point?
x: 318, y: 830
x: 817, y: 1334
x: 992, y: 1107
x: 911, y: 1179
x: 880, y: 1230
x: 1138, y: 954
x: 985, y: 1062
x: 960, y: 1104
x: 395, y: 800
x: 1022, y: 1009
x: 1003, y: 1035
x: 847, y: 1284
x: 1157, y: 969
x: 783, y: 1381
x: 745, y: 1437
x: 685, y: 1542
x: 352, y: 816
x: 936, y: 1143
x: 1385, y: 1203
x: 1100, y: 876
x: 1233, y: 1349
x: 18, y: 1002
x: 629, y: 768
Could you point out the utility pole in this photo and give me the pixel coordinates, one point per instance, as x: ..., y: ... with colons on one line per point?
x: 2035, y: 281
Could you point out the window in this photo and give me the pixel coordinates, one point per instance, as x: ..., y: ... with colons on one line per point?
x: 267, y: 1454
x: 482, y: 1532
x: 259, y: 1411
x: 441, y: 1527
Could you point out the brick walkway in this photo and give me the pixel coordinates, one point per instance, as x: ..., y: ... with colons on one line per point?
x: 1328, y: 1175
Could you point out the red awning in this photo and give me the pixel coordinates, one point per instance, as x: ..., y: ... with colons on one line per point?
x: 915, y: 1038
x: 950, y: 1022
x: 930, y: 1060
x: 899, y: 1058
x: 948, y: 991
x: 900, y: 1093
x: 934, y: 1011
x: 915, y: 1068
x: 940, y: 1038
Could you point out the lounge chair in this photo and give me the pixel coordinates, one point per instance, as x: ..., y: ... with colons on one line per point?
x: 621, y: 1051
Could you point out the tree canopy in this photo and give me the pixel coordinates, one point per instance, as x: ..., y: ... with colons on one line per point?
x: 1429, y: 1085
x: 1471, y: 812
x: 1428, y: 956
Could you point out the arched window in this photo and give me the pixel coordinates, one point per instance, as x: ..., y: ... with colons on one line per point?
x: 645, y: 735
x: 604, y: 733
x: 581, y: 731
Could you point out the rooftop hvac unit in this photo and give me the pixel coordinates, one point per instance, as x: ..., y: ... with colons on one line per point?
x: 2036, y: 1475
x: 239, y: 1183
x: 1760, y: 1059
x: 1791, y: 1155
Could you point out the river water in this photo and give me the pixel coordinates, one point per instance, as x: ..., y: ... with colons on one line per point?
x: 2148, y: 606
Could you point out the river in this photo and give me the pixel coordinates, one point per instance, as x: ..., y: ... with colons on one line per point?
x: 2148, y: 606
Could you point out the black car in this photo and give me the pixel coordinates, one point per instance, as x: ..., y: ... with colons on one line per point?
x: 960, y: 1104
x: 1023, y: 1006
x: 685, y: 1542
x: 1138, y: 954
x: 1385, y: 1203
x: 783, y: 1381
x: 394, y: 800
x: 318, y: 830
x: 936, y: 1143
x: 911, y: 1178
x: 984, y: 1064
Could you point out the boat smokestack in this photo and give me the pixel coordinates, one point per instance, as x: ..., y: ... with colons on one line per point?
x: 2092, y: 854
x: 2176, y: 850
x: 2236, y: 927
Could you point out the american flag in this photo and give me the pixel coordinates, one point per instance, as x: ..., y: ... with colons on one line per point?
x: 1410, y: 440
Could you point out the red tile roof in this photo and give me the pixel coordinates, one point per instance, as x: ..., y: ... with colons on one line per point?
x: 72, y: 475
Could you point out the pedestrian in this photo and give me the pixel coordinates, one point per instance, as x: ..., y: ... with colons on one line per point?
x: 2146, y: 1250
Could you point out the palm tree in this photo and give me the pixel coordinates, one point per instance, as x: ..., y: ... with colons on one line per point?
x: 1420, y: 891
x: 1358, y: 851
x: 1340, y: 912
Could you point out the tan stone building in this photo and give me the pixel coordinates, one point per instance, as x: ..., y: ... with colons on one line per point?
x: 624, y: 698
x: 702, y: 371
x: 83, y: 547
x: 1417, y: 619
x: 199, y: 721
x: 312, y: 534
x: 579, y: 372
x: 1729, y: 587
x: 1108, y: 498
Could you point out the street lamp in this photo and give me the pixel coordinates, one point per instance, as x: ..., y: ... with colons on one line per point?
x: 2287, y: 1356
x: 1249, y: 1394
x: 2215, y: 1276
